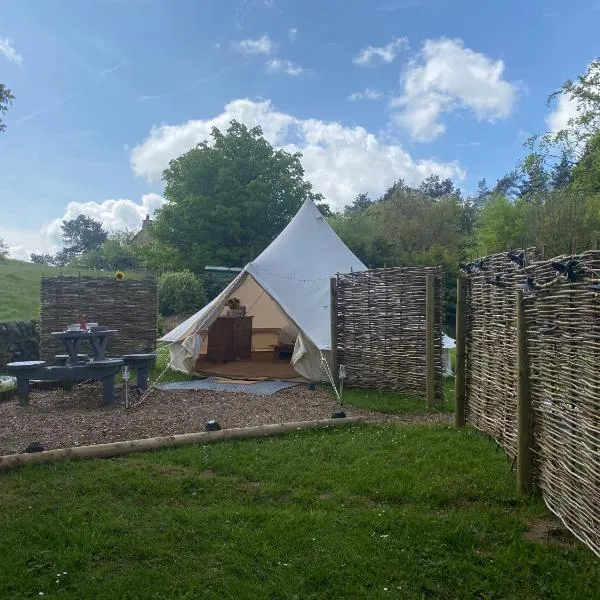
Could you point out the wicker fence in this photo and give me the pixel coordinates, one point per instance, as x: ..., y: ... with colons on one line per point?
x: 562, y: 329
x: 130, y: 306
x: 381, y: 328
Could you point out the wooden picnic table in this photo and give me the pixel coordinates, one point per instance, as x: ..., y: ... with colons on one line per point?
x: 98, y: 339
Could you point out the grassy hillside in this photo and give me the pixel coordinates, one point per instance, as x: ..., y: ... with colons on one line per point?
x: 20, y: 287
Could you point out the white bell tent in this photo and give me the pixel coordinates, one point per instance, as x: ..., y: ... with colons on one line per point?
x: 447, y: 344
x: 287, y: 292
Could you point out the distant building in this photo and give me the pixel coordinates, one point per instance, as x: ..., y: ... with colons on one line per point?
x: 143, y: 236
x: 224, y: 271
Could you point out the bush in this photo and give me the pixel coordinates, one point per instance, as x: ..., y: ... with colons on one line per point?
x: 180, y: 292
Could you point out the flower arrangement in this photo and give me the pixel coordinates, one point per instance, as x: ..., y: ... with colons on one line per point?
x: 236, y: 309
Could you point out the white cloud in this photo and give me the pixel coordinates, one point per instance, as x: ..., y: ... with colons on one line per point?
x: 262, y: 45
x: 366, y: 94
x: 113, y: 214
x: 445, y: 77
x: 339, y: 161
x: 565, y: 111
x: 23, y: 241
x: 9, y: 52
x: 281, y: 65
x: 375, y: 55
x: 293, y: 34
x: 102, y: 74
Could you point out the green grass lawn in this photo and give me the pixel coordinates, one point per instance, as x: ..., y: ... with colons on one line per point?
x: 20, y: 287
x: 394, y: 403
x: 163, y: 359
x: 359, y: 512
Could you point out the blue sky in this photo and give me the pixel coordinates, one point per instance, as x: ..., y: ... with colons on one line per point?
x: 107, y: 91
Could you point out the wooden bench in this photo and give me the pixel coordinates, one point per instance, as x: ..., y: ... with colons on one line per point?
x: 141, y: 364
x: 101, y: 370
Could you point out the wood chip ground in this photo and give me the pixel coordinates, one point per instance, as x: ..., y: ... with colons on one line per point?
x: 61, y: 419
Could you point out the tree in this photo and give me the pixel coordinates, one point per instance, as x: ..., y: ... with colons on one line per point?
x: 62, y: 258
x: 434, y: 187
x: 483, y: 193
x: 42, y: 259
x: 561, y: 175
x: 180, y: 293
x: 359, y: 204
x: 508, y: 185
x: 227, y: 201
x: 325, y: 209
x: 499, y: 225
x: 534, y: 178
x: 82, y: 234
x: 6, y: 99
x: 584, y: 94
x: 115, y: 253
x: 3, y: 249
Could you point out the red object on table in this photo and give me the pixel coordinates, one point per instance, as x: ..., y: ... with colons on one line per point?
x: 83, y: 322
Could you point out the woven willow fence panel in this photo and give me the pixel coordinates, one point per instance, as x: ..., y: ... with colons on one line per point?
x: 563, y: 343
x: 381, y: 328
x: 563, y: 347
x: 491, y: 373
x: 130, y: 306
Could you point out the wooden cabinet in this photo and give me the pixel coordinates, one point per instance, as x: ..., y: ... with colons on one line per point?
x: 230, y: 338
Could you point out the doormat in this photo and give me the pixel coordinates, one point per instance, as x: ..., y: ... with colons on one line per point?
x: 260, y: 388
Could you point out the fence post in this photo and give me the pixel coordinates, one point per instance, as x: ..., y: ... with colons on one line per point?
x: 459, y: 382
x: 524, y: 410
x: 334, y: 320
x: 430, y: 341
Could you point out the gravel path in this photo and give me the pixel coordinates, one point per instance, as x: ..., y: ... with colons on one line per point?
x: 60, y: 419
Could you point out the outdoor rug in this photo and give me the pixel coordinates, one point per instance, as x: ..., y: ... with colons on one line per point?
x: 217, y: 384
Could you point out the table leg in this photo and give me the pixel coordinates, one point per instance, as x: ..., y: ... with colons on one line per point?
x: 71, y: 347
x: 23, y: 390
x: 142, y: 378
x: 103, y: 341
x: 108, y: 389
x: 98, y: 344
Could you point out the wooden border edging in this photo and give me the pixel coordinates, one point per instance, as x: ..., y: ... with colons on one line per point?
x: 10, y: 461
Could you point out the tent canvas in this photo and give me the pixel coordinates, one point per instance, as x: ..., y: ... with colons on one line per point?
x: 286, y: 289
x: 447, y: 344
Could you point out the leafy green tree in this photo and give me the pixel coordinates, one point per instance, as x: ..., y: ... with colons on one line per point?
x: 499, y: 225
x: 434, y: 187
x: 483, y: 193
x: 42, y: 259
x: 82, y: 234
x: 508, y: 185
x: 359, y: 204
x: 324, y: 209
x: 534, y: 180
x: 584, y: 93
x: 562, y: 172
x: 3, y: 249
x: 158, y: 257
x: 180, y: 293
x: 63, y: 257
x: 6, y: 99
x: 226, y: 201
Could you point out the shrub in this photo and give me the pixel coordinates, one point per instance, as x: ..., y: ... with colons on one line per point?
x: 180, y: 292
